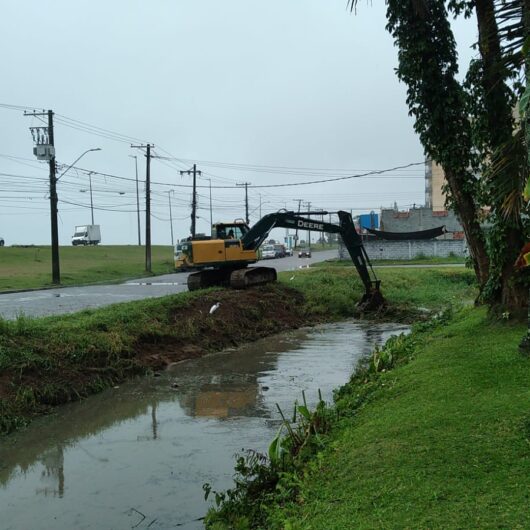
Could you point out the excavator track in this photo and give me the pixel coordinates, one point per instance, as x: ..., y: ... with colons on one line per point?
x: 236, y: 279
x: 209, y: 278
x: 251, y: 276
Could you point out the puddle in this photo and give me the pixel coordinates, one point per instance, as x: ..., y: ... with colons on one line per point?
x: 137, y: 456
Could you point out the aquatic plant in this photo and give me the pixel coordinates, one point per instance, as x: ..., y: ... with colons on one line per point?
x: 259, y: 477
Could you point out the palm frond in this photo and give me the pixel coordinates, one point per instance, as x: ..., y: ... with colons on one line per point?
x: 506, y: 175
x: 510, y: 19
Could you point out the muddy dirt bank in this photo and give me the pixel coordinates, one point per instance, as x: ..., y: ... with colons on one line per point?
x: 49, y: 362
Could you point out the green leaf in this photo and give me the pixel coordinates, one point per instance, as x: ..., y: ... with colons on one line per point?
x: 304, y: 411
x: 526, y: 191
x: 523, y: 102
x: 275, y: 448
x: 526, y: 46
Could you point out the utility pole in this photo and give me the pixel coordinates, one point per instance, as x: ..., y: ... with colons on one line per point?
x: 211, y: 214
x: 260, y: 205
x: 45, y: 150
x: 91, y: 200
x: 147, y: 147
x: 194, y: 198
x: 308, y: 204
x: 322, y: 233
x: 170, y: 216
x: 137, y: 199
x: 296, y: 231
x: 246, y: 184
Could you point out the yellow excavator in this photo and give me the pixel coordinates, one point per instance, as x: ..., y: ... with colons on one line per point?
x: 224, y: 259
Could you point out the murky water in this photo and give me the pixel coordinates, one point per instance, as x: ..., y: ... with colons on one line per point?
x: 137, y: 456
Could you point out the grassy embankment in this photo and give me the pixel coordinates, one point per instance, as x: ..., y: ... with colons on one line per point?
x: 411, y: 293
x: 48, y: 361
x: 30, y: 268
x: 418, y: 260
x: 440, y: 442
x: 433, y: 432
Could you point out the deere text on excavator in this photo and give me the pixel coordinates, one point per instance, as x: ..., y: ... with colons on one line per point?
x: 226, y: 256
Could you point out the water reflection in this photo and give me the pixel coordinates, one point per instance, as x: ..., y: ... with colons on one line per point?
x: 148, y: 446
x: 53, y: 473
x: 47, y: 438
x: 228, y: 384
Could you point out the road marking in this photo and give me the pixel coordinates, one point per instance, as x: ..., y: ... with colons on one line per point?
x: 150, y: 283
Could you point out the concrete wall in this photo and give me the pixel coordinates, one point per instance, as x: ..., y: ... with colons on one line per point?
x: 405, y: 250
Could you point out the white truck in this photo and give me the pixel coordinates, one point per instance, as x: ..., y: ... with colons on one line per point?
x: 86, y: 235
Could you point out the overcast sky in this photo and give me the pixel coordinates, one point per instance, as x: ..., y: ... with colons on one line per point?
x: 233, y: 86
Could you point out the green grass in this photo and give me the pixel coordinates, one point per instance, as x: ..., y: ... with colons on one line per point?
x: 444, y: 442
x: 449, y: 260
x: 28, y: 268
x: 335, y: 291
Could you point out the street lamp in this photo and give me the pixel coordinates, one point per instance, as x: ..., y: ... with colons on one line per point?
x: 89, y: 176
x: 77, y: 160
x: 91, y: 199
x: 137, y: 198
x: 56, y: 269
x: 169, y: 192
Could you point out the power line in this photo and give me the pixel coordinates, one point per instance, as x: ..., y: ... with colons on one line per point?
x: 98, y: 207
x: 373, y: 173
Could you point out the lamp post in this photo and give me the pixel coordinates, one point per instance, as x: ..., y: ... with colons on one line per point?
x: 56, y: 270
x: 211, y: 217
x: 170, y: 216
x: 77, y: 160
x: 91, y: 200
x: 137, y: 198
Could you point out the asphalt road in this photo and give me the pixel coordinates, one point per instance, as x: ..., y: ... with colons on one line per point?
x: 69, y: 299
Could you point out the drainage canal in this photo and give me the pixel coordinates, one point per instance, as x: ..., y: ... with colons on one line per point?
x: 137, y: 456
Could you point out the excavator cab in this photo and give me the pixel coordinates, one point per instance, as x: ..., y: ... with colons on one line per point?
x: 220, y: 256
x: 234, y: 230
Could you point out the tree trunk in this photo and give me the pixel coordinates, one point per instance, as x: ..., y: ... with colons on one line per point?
x: 500, y: 126
x: 514, y: 294
x: 435, y: 98
x: 466, y: 210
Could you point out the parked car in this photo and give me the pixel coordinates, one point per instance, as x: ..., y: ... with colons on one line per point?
x: 268, y: 252
x: 2, y: 242
x: 289, y: 252
x: 304, y: 253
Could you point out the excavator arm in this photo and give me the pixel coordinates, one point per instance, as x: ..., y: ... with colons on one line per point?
x: 372, y: 299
